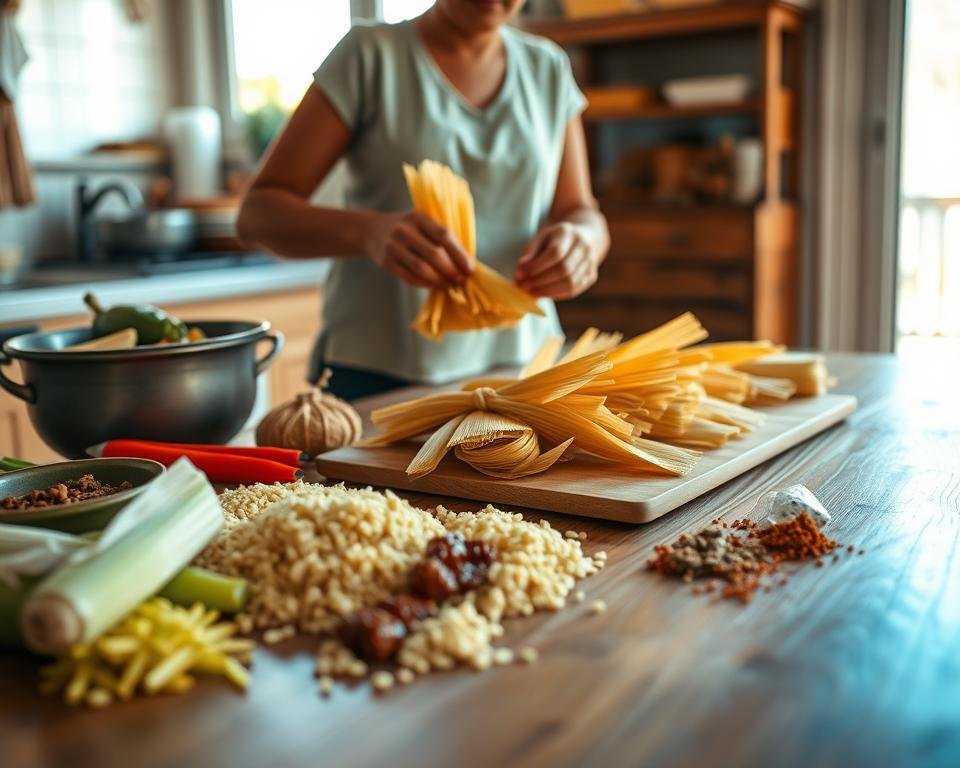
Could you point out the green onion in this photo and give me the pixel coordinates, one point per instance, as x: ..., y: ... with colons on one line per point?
x: 8, y: 464
x: 158, y: 533
x: 197, y: 585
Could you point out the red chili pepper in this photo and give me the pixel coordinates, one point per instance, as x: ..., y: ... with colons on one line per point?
x: 218, y: 467
x: 288, y: 456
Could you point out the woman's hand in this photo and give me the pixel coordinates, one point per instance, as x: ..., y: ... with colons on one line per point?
x: 561, y: 262
x: 417, y: 250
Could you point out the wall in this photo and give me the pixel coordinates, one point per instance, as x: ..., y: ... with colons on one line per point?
x: 94, y: 76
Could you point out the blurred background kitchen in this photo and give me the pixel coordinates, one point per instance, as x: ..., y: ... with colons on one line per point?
x: 786, y: 170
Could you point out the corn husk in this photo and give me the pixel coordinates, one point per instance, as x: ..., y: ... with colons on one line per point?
x: 669, y: 390
x: 651, y: 402
x: 733, y: 353
x: 805, y: 370
x: 486, y: 299
x: 502, y: 430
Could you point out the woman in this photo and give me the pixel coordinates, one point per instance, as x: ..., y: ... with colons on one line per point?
x: 499, y: 107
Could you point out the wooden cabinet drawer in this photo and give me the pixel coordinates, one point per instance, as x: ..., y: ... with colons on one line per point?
x: 673, y: 279
x: 707, y: 236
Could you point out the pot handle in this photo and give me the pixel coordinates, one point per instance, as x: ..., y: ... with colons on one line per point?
x: 25, y: 392
x: 276, y: 339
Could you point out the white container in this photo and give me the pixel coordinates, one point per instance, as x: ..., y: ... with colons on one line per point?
x: 11, y: 263
x: 193, y: 134
x: 747, y: 170
x: 702, y: 91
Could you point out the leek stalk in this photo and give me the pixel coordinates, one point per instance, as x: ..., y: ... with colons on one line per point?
x: 198, y: 585
x: 162, y: 530
x: 192, y: 585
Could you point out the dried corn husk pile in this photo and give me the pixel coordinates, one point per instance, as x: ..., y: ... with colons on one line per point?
x: 645, y: 403
x: 498, y: 429
x: 486, y: 299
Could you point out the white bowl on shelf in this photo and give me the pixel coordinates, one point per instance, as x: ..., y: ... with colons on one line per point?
x: 701, y: 91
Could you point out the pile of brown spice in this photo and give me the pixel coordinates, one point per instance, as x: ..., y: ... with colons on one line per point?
x: 742, y: 554
x: 68, y: 492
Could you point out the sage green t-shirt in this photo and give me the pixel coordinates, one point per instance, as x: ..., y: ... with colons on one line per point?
x: 400, y: 108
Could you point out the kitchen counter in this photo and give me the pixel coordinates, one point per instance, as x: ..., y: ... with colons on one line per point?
x: 24, y: 305
x: 855, y: 663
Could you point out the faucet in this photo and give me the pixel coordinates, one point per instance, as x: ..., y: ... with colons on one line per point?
x: 88, y: 200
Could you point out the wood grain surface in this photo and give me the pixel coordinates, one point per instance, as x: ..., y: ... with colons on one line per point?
x: 853, y: 664
x: 591, y: 488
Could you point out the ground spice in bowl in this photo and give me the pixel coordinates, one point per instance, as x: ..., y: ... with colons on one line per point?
x: 68, y: 492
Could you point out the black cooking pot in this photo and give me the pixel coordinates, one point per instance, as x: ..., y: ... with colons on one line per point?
x: 202, y: 392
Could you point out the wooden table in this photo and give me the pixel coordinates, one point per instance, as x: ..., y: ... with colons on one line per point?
x: 856, y: 663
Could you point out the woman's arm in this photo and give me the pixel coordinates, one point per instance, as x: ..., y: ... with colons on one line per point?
x: 276, y: 212
x: 562, y: 260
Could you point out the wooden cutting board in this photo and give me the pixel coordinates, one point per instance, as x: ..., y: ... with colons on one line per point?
x: 591, y: 488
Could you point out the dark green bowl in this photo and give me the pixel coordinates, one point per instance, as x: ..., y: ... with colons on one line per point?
x: 82, y: 516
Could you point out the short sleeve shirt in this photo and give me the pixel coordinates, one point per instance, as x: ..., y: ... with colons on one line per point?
x: 400, y: 108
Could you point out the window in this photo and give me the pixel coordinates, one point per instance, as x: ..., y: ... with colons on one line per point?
x: 398, y: 10
x: 276, y: 48
x: 928, y: 296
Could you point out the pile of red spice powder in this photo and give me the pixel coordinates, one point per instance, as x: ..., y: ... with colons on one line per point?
x: 742, y: 554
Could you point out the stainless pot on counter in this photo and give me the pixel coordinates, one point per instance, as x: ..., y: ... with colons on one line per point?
x: 148, y: 233
x: 201, y: 392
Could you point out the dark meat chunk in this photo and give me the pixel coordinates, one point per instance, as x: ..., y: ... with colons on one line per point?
x: 450, y: 549
x: 452, y: 565
x: 373, y: 634
x: 408, y: 609
x: 432, y: 579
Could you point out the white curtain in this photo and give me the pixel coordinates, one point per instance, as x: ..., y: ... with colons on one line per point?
x: 856, y: 160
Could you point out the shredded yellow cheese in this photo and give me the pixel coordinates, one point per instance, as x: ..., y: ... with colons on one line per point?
x: 157, y: 648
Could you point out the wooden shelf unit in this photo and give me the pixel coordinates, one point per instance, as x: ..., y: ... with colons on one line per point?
x: 694, y: 20
x: 734, y: 265
x: 670, y: 112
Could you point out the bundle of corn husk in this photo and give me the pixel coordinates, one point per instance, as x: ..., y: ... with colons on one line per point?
x: 646, y: 403
x: 486, y: 299
x: 501, y: 427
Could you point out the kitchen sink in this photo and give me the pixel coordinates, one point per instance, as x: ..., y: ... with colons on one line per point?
x: 56, y: 273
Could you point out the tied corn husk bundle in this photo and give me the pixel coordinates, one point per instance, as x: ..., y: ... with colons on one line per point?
x: 650, y: 402
x: 486, y: 299
x: 500, y: 429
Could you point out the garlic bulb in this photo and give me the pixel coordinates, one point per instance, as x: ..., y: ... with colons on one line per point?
x: 313, y: 422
